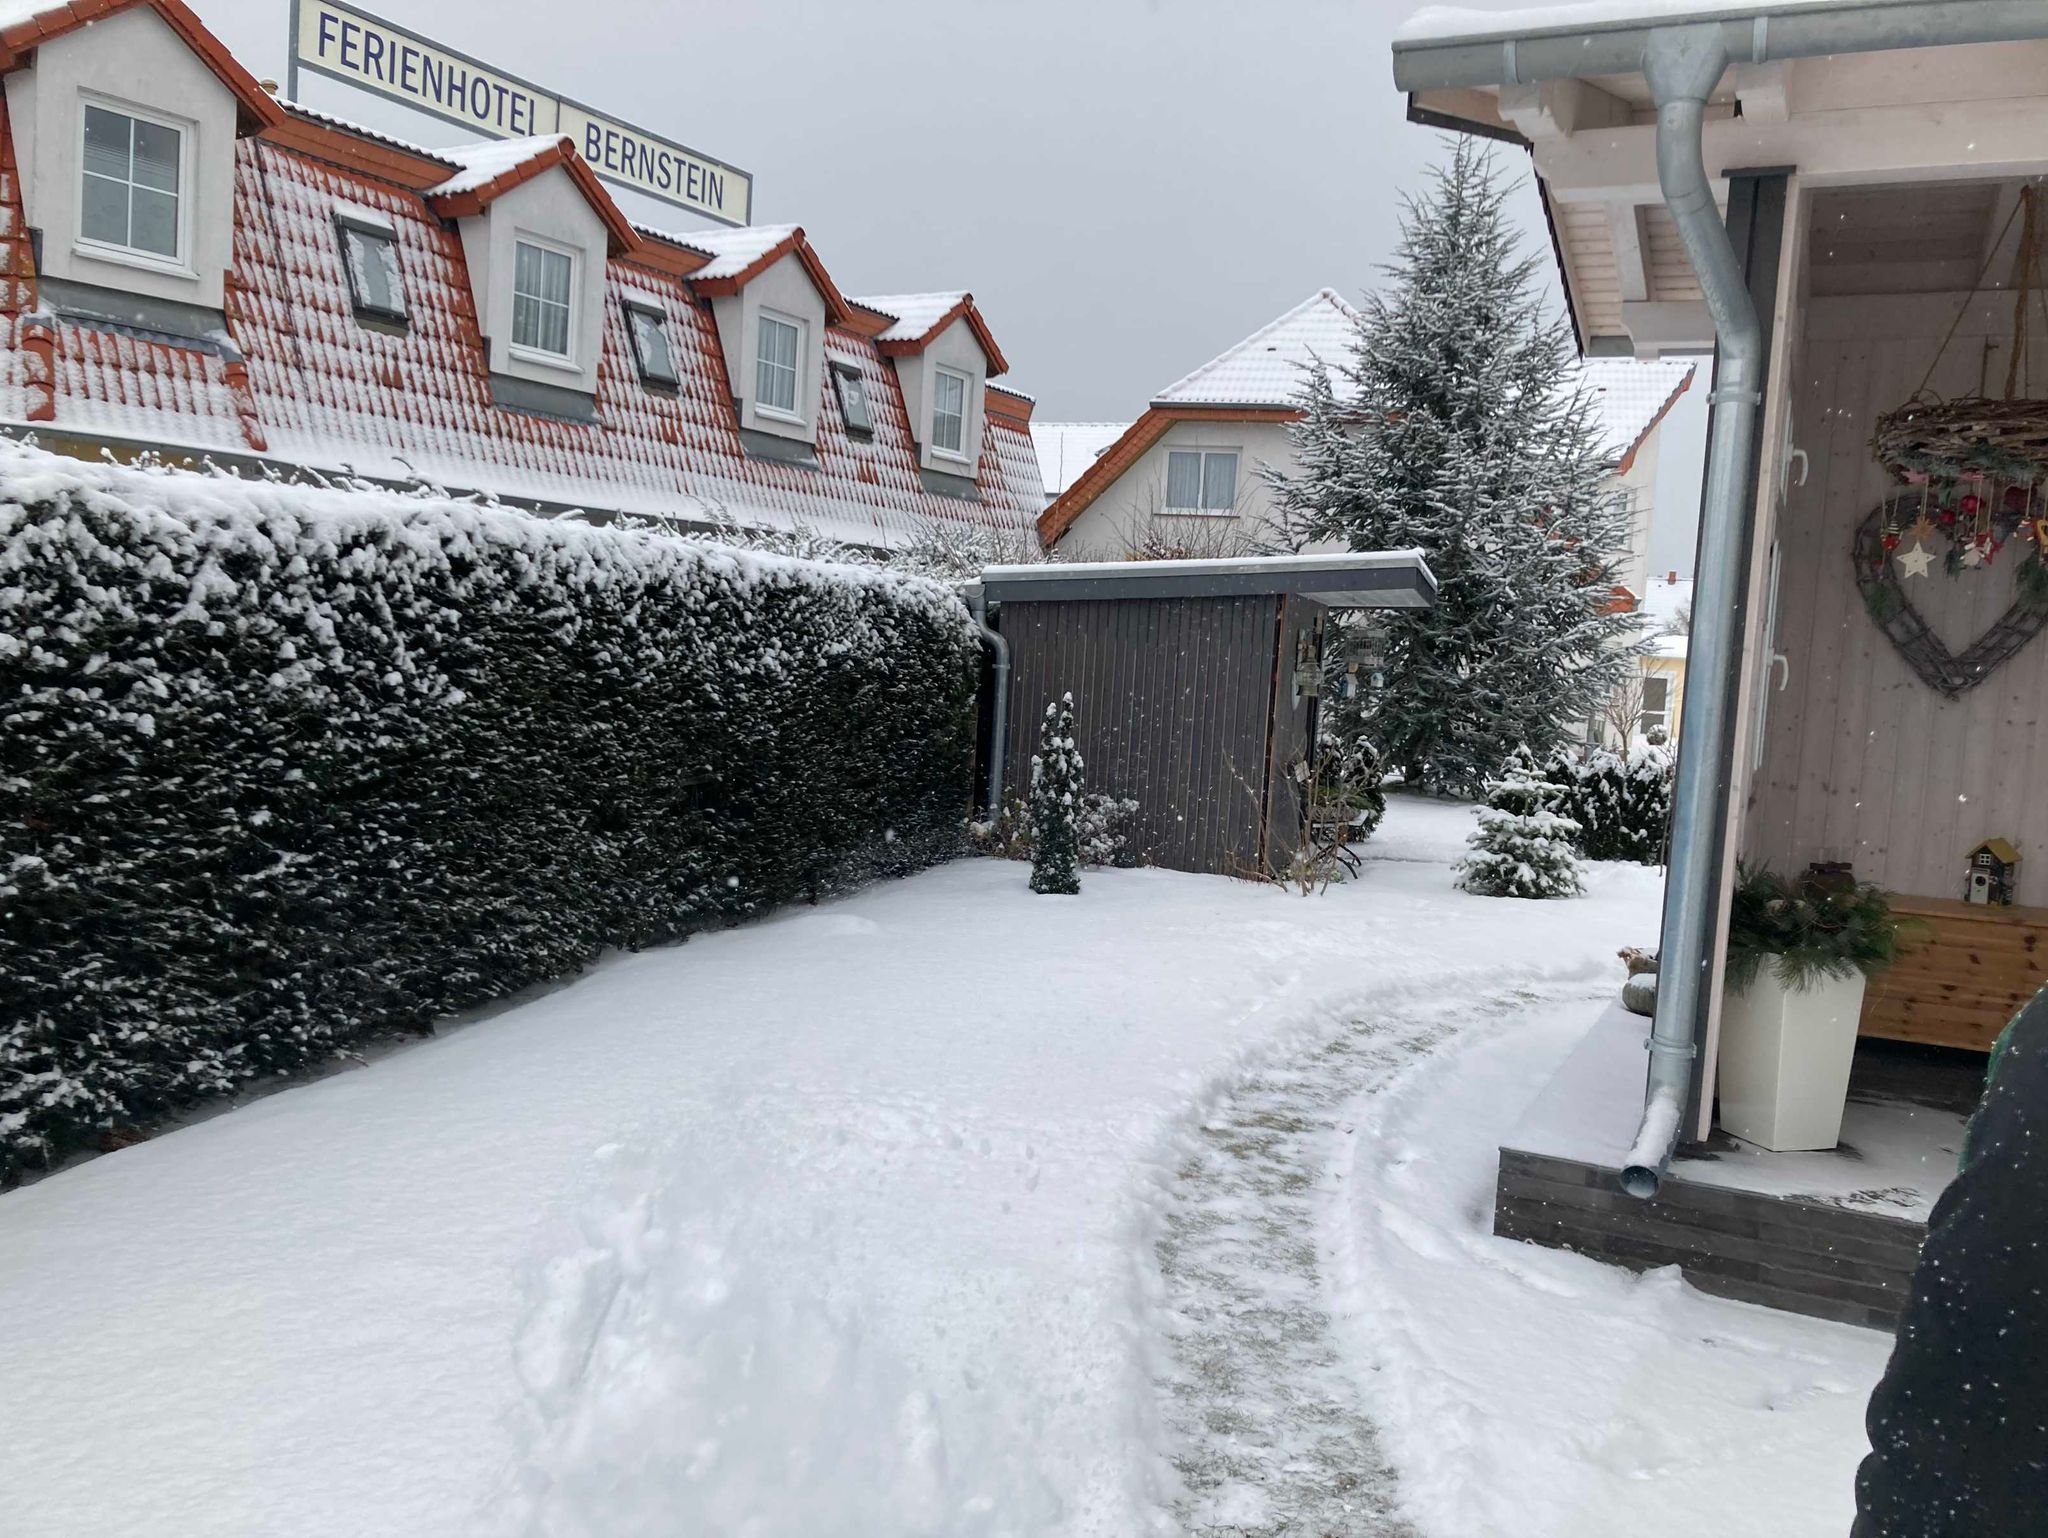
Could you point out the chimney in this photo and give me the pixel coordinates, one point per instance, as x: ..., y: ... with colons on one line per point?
x: 1672, y: 580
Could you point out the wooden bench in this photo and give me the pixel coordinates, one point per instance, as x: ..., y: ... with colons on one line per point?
x: 1963, y: 978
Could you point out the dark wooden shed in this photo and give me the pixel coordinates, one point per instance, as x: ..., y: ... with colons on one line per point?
x: 1195, y: 686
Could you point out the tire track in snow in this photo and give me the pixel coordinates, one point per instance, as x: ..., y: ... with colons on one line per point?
x: 1265, y: 1419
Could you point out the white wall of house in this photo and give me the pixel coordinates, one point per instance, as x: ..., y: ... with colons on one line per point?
x: 1134, y: 508
x: 784, y: 290
x: 130, y: 62
x: 550, y: 211
x: 955, y: 349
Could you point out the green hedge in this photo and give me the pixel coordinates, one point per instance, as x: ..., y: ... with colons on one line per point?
x: 285, y: 769
x: 1621, y: 801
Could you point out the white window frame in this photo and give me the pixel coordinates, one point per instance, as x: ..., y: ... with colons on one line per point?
x: 540, y: 355
x: 1202, y: 457
x: 940, y: 371
x: 641, y: 308
x: 179, y: 265
x: 803, y: 347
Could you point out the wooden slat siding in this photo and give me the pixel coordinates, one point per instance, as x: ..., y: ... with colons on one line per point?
x: 1290, y: 722
x: 1167, y: 692
x: 1785, y: 1252
x: 1959, y: 986
x: 1863, y: 762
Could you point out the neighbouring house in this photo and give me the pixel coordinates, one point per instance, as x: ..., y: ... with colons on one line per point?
x: 1066, y: 449
x: 1185, y: 478
x: 1197, y: 688
x: 1841, y: 196
x: 1650, y: 704
x: 197, y: 269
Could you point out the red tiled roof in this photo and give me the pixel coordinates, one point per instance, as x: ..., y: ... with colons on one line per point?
x: 903, y: 338
x: 320, y: 389
x: 472, y: 191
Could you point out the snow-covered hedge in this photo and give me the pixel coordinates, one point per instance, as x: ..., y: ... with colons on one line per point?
x: 282, y: 768
x: 1621, y: 801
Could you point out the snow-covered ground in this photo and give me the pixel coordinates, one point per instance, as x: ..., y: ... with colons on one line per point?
x: 864, y: 1220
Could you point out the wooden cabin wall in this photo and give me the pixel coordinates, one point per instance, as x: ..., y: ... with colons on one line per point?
x: 1171, y: 704
x: 1864, y: 762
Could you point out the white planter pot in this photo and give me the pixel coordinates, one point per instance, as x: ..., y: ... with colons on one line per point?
x: 1784, y: 1063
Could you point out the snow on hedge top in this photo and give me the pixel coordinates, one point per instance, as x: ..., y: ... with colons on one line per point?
x: 1269, y: 367
x: 483, y: 164
x: 1633, y: 396
x: 915, y: 314
x: 243, y: 514
x: 1460, y: 23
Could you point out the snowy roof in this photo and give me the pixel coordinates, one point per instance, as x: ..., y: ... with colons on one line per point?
x: 1065, y: 449
x: 483, y: 164
x: 1366, y: 579
x: 732, y: 252
x: 349, y: 126
x: 1267, y: 367
x: 1448, y: 23
x: 1633, y: 397
x: 914, y: 314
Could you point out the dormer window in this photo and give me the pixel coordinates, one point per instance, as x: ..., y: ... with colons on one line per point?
x: 852, y: 389
x: 369, y: 250
x: 949, y: 412
x: 648, y: 328
x: 132, y: 177
x: 543, y: 300
x: 778, y: 367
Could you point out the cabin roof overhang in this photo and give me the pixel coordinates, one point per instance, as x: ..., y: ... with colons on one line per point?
x: 1384, y: 579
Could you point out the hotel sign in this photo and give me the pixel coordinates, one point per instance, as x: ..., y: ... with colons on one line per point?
x: 360, y: 49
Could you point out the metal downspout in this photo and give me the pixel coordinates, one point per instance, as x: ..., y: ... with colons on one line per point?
x: 1682, y: 66
x: 999, y: 687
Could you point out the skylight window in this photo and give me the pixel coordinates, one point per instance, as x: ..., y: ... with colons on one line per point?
x: 543, y: 281
x: 949, y: 413
x: 648, y: 327
x: 853, y: 399
x: 370, y: 253
x: 128, y: 196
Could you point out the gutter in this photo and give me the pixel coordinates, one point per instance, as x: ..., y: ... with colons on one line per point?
x: 1745, y: 35
x: 1683, y: 60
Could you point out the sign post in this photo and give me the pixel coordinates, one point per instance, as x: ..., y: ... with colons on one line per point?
x: 349, y: 44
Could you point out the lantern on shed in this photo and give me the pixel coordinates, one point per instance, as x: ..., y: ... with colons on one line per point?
x: 1993, y: 873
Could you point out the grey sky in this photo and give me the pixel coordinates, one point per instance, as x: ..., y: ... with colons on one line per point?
x: 1127, y: 187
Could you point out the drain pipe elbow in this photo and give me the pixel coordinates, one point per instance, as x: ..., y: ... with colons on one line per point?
x: 1682, y: 66
x: 999, y: 689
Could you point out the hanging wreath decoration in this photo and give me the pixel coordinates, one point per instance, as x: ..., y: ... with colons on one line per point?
x: 1979, y: 466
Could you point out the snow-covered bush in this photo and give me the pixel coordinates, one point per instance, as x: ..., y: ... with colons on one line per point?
x: 1522, y: 846
x: 284, y: 768
x: 1108, y: 831
x: 1056, y: 794
x: 1621, y: 802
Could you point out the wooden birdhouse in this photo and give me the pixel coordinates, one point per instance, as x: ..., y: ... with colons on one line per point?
x: 1993, y: 874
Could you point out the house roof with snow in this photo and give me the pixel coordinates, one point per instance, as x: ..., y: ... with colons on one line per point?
x: 1065, y: 449
x: 293, y: 375
x: 1633, y: 396
x: 1269, y: 367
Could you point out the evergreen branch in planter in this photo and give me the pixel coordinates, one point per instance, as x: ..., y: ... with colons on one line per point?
x: 1811, y: 928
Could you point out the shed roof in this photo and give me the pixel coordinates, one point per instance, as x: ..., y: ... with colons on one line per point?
x: 1380, y: 579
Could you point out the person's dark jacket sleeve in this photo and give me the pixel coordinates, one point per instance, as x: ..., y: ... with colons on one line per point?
x: 1959, y: 1423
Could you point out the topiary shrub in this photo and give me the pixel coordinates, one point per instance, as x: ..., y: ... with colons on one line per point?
x: 284, y: 768
x: 1056, y: 796
x: 1621, y: 802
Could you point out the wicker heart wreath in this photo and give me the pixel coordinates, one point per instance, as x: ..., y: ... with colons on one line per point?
x: 1916, y: 641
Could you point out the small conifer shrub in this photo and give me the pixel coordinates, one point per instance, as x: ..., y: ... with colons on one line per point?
x: 1057, y: 794
x: 1522, y: 846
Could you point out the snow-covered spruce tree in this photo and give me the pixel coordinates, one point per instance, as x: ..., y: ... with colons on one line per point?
x: 1459, y: 425
x: 1522, y: 846
x: 1056, y: 794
